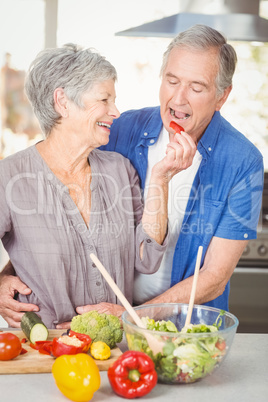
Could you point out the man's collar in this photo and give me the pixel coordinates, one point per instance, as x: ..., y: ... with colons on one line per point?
x: 208, y: 141
x: 153, y: 126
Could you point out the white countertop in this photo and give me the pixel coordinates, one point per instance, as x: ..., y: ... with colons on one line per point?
x: 243, y: 377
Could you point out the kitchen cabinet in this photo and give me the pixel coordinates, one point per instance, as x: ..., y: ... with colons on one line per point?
x: 248, y: 299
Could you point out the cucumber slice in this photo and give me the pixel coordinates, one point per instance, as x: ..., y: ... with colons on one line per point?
x: 33, y: 327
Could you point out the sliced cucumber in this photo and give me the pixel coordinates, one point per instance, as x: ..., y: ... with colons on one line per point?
x: 33, y: 327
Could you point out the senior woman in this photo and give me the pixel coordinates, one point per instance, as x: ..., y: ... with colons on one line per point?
x: 62, y: 198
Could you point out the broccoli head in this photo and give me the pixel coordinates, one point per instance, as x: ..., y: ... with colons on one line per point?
x: 100, y: 327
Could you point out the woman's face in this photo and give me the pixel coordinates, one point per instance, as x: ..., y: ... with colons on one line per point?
x: 92, y: 123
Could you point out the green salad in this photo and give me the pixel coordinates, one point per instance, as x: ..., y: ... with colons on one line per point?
x: 184, y: 359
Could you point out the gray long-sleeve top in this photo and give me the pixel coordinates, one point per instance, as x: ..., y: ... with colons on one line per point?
x: 49, y: 243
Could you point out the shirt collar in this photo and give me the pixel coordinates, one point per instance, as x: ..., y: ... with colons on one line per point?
x: 208, y: 141
x: 153, y: 126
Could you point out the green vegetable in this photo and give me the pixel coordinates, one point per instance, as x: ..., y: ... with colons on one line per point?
x: 184, y: 359
x: 33, y: 327
x: 218, y: 321
x: 165, y: 326
x: 100, y: 327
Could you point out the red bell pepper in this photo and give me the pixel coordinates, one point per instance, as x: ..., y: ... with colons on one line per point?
x: 44, y: 347
x: 132, y: 375
x: 70, y: 344
x: 80, y: 343
x: 176, y: 127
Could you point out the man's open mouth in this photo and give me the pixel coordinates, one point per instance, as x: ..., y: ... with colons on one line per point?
x: 179, y: 115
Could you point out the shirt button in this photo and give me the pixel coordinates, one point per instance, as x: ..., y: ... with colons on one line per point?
x: 245, y: 236
x: 148, y: 240
x: 94, y: 265
x: 151, y: 141
x: 145, y: 134
x: 98, y: 283
x: 209, y: 148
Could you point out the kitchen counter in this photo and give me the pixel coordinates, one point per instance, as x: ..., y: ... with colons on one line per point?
x: 243, y: 377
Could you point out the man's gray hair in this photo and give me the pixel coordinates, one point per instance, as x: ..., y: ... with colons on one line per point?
x: 69, y: 67
x: 201, y: 37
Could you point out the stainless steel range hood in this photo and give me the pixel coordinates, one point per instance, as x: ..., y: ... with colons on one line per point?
x: 238, y: 20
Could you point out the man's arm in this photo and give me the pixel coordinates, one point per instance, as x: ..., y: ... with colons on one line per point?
x: 10, y: 309
x: 219, y: 264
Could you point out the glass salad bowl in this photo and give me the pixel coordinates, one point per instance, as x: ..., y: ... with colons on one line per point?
x: 189, y: 354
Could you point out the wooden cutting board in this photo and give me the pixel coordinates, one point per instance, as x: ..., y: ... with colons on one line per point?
x: 35, y: 362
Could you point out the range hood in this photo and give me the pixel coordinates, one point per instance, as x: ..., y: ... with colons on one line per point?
x: 238, y: 20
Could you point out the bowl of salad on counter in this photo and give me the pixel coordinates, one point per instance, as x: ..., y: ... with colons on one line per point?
x: 183, y: 354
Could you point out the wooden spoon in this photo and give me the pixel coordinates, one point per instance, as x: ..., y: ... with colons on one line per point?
x: 192, y: 296
x: 154, y: 344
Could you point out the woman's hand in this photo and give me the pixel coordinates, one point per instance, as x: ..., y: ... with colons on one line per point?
x: 107, y: 308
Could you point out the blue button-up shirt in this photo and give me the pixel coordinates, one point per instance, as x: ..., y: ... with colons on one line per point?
x: 226, y: 194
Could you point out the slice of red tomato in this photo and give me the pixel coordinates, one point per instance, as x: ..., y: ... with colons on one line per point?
x: 221, y: 345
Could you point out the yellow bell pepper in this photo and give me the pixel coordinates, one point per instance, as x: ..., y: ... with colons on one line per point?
x: 77, y: 376
x: 100, y: 350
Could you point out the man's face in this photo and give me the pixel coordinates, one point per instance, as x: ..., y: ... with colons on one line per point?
x: 188, y: 92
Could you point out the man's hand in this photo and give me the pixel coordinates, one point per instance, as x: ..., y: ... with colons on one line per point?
x: 107, y: 308
x: 10, y: 309
x: 220, y: 261
x: 180, y: 153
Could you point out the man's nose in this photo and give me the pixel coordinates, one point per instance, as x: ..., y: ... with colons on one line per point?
x: 180, y: 95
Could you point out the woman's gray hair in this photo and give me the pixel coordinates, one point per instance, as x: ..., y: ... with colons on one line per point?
x: 201, y: 37
x: 69, y: 67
